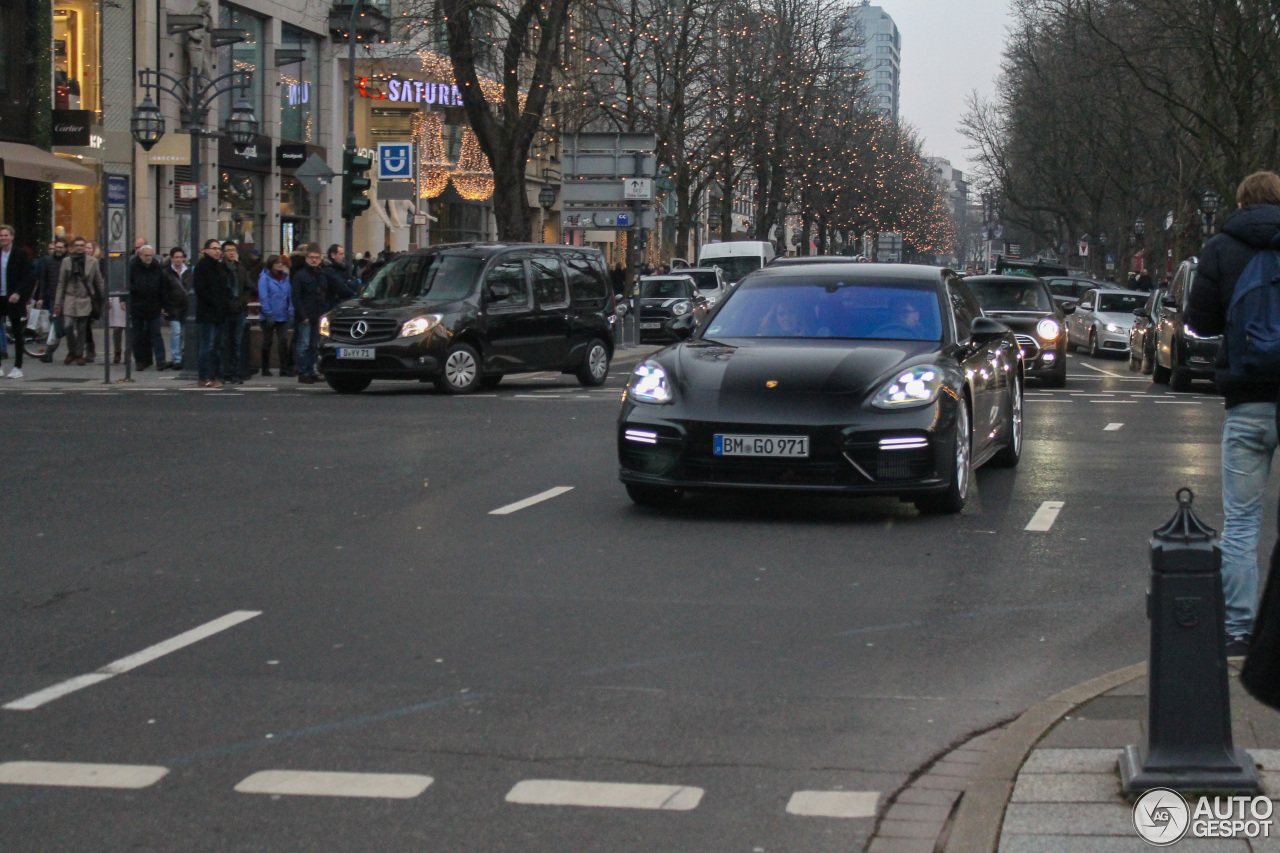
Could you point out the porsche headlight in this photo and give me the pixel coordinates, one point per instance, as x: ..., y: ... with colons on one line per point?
x: 916, y: 386
x: 1112, y: 327
x: 324, y: 326
x: 649, y: 384
x: 420, y: 325
x: 1048, y: 329
x: 680, y: 309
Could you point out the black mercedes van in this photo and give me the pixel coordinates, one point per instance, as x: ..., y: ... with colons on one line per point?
x: 463, y: 315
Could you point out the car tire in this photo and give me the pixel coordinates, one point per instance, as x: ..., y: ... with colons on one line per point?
x: 1094, y: 351
x: 490, y: 381
x: 461, y: 373
x: 953, y: 499
x: 1010, y: 454
x: 594, y: 369
x: 655, y: 497
x: 1179, y: 380
x: 347, y: 384
x: 1135, y: 361
x: 1159, y: 375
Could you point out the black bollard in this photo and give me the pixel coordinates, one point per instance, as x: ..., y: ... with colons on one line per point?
x: 1189, y: 745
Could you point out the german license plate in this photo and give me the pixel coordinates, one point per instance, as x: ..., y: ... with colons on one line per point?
x: 651, y: 325
x: 787, y: 446
x: 348, y: 352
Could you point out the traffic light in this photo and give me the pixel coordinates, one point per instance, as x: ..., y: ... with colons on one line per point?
x: 354, y: 184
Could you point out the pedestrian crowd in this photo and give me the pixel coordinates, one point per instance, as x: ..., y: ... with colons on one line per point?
x: 62, y: 293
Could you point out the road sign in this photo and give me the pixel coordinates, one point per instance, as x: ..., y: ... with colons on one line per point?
x: 315, y: 174
x: 604, y: 218
x: 1084, y: 249
x: 637, y: 189
x: 186, y: 192
x: 608, y: 155
x: 117, y: 214
x: 418, y: 219
x: 395, y: 160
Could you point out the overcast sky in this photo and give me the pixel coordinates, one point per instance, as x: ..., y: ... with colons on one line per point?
x: 949, y: 48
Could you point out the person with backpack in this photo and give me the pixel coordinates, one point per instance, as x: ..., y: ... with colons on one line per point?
x: 1230, y: 295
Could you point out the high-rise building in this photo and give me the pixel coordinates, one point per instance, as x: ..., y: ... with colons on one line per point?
x: 880, y: 52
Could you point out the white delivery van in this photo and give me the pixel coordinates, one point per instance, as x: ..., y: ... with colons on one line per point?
x: 737, y: 258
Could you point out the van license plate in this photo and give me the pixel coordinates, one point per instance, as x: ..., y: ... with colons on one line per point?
x: 651, y: 325
x: 787, y: 446
x: 348, y: 352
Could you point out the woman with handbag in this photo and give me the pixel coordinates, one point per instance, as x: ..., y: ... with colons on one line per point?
x: 80, y: 291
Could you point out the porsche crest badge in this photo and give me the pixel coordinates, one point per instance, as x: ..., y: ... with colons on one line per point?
x: 772, y: 383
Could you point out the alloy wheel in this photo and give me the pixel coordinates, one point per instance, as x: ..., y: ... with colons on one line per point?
x: 598, y: 361
x: 460, y: 369
x: 962, y: 451
x: 1015, y: 412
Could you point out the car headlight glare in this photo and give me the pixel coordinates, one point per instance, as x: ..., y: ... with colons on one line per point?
x: 680, y: 309
x: 1112, y: 327
x: 649, y: 384
x: 420, y: 325
x: 1190, y: 334
x: 1048, y: 329
x: 324, y: 326
x: 916, y: 386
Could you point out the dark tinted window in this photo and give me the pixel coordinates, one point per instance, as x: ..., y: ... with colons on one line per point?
x: 441, y: 277
x: 705, y: 279
x: 665, y: 288
x: 1120, y: 303
x: 511, y: 274
x: 1179, y: 285
x: 821, y: 307
x: 962, y: 310
x: 736, y: 267
x: 548, y: 283
x: 1010, y: 296
x: 585, y: 279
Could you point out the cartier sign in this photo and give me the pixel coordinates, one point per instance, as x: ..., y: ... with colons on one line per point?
x: 71, y: 127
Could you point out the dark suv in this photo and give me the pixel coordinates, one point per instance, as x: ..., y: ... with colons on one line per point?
x: 1181, y: 354
x: 464, y: 315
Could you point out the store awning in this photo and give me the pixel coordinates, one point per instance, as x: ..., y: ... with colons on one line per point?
x: 31, y: 164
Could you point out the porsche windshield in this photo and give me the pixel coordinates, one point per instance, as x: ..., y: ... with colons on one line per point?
x: 439, y: 277
x: 830, y: 308
x: 1011, y: 296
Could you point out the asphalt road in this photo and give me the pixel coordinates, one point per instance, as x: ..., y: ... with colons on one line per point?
x: 739, y: 650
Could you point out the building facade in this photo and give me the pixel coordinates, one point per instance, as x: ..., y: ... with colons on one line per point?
x: 879, y: 51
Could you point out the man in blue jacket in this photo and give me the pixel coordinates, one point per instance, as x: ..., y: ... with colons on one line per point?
x: 1249, y: 431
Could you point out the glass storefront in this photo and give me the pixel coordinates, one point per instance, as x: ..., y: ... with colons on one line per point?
x: 77, y: 59
x: 298, y: 90
x: 296, y: 224
x: 245, y: 56
x: 241, y: 211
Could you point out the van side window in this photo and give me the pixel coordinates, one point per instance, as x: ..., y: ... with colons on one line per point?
x: 586, y: 282
x: 548, y: 283
x: 508, y: 276
x: 960, y: 307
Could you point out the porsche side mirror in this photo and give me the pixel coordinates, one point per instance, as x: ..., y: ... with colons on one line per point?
x: 1139, y: 312
x: 1168, y: 302
x: 984, y: 330
x: 1069, y: 308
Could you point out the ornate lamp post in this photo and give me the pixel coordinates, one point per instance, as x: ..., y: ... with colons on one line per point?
x: 1208, y: 207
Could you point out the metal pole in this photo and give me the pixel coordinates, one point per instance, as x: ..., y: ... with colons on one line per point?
x: 190, y: 334
x: 349, y: 231
x: 105, y: 270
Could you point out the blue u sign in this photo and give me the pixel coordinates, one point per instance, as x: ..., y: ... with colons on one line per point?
x: 395, y: 160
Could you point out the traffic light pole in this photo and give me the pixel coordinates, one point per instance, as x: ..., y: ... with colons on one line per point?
x: 349, y: 233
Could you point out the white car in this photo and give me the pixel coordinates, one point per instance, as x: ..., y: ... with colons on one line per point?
x: 710, y: 281
x: 1102, y: 320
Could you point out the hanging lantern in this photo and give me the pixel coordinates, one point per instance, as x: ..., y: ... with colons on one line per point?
x: 473, y: 177
x: 433, y: 166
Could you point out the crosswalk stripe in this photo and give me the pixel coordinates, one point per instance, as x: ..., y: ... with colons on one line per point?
x: 1045, y: 516
x: 308, y: 783
x: 530, y: 501
x: 70, y: 775
x: 608, y: 795
x: 843, y: 804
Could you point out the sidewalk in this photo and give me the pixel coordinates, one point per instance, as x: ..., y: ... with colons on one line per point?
x: 1049, y: 781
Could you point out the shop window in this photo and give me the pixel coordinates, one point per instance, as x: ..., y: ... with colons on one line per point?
x: 77, y: 61
x: 245, y: 56
x: 240, y: 207
x: 298, y: 90
x: 296, y: 224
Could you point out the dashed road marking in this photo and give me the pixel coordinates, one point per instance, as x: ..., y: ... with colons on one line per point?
x: 530, y: 501
x: 1177, y: 403
x: 133, y: 661
x: 68, y: 775
x: 304, y: 783
x: 1112, y: 427
x: 844, y: 804
x: 534, y: 396
x: 1045, y: 516
x: 607, y: 795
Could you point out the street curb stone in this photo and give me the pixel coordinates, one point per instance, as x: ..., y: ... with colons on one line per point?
x: 977, y: 823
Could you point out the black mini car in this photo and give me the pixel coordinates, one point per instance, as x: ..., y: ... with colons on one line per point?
x: 859, y: 379
x: 1025, y: 305
x: 667, y: 303
x: 464, y: 315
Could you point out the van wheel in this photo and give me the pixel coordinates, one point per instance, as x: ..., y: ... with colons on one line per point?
x: 347, y: 384
x: 461, y: 370
x: 594, y: 369
x: 490, y: 381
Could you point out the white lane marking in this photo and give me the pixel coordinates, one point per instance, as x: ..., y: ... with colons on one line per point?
x: 534, y: 396
x: 69, y: 775
x: 608, y: 795
x: 42, y: 393
x: 1043, y: 400
x: 1103, y: 372
x: 1112, y: 427
x: 133, y: 661
x: 527, y: 502
x: 1176, y: 403
x: 1114, y: 402
x: 1045, y: 516
x: 304, y: 783
x: 833, y: 803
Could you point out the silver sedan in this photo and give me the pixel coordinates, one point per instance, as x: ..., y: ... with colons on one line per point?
x: 1102, y: 320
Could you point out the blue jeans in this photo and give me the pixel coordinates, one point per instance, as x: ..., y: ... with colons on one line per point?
x: 306, y: 349
x: 232, y: 340
x: 210, y: 362
x: 175, y: 341
x: 1248, y: 443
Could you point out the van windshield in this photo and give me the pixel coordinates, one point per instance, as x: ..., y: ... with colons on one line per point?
x: 735, y: 267
x: 440, y: 277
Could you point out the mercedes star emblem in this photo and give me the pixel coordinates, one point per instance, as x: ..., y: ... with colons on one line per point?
x: 359, y: 329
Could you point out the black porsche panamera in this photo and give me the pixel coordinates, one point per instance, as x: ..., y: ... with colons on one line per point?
x: 859, y: 379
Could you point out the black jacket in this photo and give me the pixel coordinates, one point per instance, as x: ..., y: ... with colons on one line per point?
x: 308, y: 293
x: 146, y: 289
x: 46, y: 279
x: 213, y: 296
x: 177, y: 289
x: 242, y: 287
x: 1222, y: 260
x: 18, y: 280
x: 339, y: 287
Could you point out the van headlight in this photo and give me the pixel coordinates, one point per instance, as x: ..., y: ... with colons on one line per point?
x: 1048, y: 329
x: 915, y: 386
x: 680, y: 309
x: 649, y: 384
x: 324, y: 326
x: 420, y: 325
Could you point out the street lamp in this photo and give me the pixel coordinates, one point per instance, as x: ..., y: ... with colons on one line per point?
x: 1208, y: 207
x: 1139, y: 228
x: 242, y: 127
x: 147, y: 124
x: 547, y: 196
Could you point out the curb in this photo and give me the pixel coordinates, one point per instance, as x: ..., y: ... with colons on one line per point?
x: 977, y: 823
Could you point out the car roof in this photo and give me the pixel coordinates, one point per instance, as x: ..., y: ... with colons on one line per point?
x: 712, y: 270
x: 668, y: 277
x: 858, y: 271
x: 811, y: 259
x: 1116, y: 291
x: 485, y: 248
x: 1002, y: 279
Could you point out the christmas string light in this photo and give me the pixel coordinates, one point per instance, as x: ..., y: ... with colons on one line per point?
x: 433, y: 166
x: 474, y: 177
